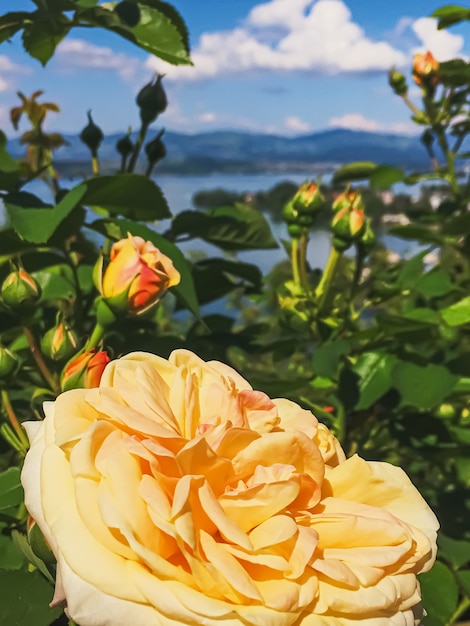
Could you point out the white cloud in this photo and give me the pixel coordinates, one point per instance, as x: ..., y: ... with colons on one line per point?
x: 77, y: 53
x: 8, y: 72
x: 356, y: 121
x: 207, y: 117
x: 296, y: 125
x: 317, y: 36
x: 443, y: 44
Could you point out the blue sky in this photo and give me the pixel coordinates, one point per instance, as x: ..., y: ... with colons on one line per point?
x: 280, y: 66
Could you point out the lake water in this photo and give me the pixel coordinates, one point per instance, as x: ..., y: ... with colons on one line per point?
x: 180, y: 190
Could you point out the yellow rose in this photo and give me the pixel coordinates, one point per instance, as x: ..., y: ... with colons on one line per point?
x: 174, y: 493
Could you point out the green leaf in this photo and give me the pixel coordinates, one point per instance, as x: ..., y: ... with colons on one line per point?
x: 172, y: 14
x: 435, y: 283
x: 454, y: 551
x: 215, y: 278
x: 11, y: 23
x: 11, y: 491
x: 327, y: 358
x: 118, y: 228
x: 422, y: 387
x: 374, y: 370
x: 455, y: 73
x: 37, y: 225
x: 131, y: 195
x: 457, y: 314
x: 11, y: 557
x: 451, y: 14
x: 239, y: 227
x: 463, y: 578
x: 28, y: 595
x: 358, y: 170
x: 462, y: 466
x: 385, y: 176
x: 7, y: 162
x: 56, y: 283
x: 158, y: 31
x: 415, y: 232
x: 43, y: 35
x: 440, y: 595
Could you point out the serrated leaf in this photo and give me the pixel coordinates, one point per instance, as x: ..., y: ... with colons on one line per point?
x: 44, y: 33
x: 440, y: 595
x: 11, y: 23
x: 239, y: 227
x: 37, y: 225
x: 132, y: 195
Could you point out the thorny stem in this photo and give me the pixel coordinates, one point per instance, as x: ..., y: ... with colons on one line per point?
x: 37, y: 356
x: 14, y: 420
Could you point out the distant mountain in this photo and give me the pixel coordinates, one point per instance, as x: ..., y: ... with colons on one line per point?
x: 248, y: 152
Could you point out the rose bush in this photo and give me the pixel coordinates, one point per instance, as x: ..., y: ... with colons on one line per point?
x: 175, y: 493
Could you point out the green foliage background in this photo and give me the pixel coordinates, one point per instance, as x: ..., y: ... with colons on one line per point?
x: 377, y: 347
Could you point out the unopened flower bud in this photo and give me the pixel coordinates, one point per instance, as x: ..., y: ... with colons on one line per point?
x: 397, y: 82
x: 425, y: 67
x: 368, y: 238
x: 20, y: 290
x: 125, y: 145
x: 289, y: 214
x: 92, y: 135
x: 349, y: 199
x: 308, y: 198
x: 60, y: 342
x: 137, y: 276
x: 348, y: 223
x: 38, y: 542
x: 155, y: 149
x: 151, y: 100
x: 8, y: 362
x: 84, y: 370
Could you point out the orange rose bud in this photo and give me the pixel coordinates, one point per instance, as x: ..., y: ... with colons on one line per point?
x: 137, y: 276
x: 425, y: 67
x: 84, y: 370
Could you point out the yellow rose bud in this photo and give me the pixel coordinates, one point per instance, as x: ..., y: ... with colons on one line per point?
x: 308, y: 198
x: 137, y: 276
x: 176, y: 494
x: 425, y: 67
